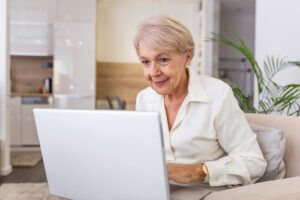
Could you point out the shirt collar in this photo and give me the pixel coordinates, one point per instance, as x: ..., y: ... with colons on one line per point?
x: 195, y: 88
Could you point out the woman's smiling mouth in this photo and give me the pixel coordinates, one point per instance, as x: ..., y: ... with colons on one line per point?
x: 159, y: 83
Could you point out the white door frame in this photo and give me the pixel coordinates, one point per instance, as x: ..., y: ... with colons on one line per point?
x: 4, y: 88
x: 211, y: 23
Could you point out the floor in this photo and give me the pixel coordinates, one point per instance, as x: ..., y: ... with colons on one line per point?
x: 26, y: 174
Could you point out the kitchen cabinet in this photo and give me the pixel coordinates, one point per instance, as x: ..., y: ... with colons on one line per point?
x: 32, y: 39
x: 42, y: 11
x: 31, y: 27
x: 22, y: 124
x: 74, y: 54
x: 15, y: 121
x: 76, y: 11
x: 29, y: 132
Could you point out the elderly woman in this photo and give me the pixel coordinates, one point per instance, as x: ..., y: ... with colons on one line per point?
x: 206, y: 135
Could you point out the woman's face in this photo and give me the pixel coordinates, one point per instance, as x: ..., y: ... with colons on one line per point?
x: 165, y: 71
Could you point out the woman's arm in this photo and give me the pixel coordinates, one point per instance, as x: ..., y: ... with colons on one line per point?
x: 187, y: 173
x: 244, y: 163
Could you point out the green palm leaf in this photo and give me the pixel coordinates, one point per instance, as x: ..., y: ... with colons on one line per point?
x: 245, y: 102
x: 272, y: 97
x: 271, y: 89
x: 290, y: 99
x: 272, y: 66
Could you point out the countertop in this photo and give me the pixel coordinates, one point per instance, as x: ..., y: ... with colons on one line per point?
x: 14, y: 94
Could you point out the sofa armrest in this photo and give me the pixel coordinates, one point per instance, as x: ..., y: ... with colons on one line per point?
x: 284, y: 189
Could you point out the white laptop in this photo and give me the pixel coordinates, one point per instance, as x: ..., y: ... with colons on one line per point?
x: 103, y: 154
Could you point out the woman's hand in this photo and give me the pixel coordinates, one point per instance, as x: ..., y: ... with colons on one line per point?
x: 185, y: 173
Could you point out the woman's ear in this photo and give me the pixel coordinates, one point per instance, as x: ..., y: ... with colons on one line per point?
x: 188, y: 57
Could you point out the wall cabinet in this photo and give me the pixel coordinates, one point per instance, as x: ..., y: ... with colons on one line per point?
x: 22, y: 124
x: 31, y: 39
x: 31, y: 29
x: 76, y: 11
x: 42, y: 11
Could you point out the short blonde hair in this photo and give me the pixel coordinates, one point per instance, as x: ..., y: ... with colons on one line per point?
x: 166, y: 34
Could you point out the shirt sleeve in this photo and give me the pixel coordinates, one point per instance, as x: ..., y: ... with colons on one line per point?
x: 244, y: 162
x: 138, y: 102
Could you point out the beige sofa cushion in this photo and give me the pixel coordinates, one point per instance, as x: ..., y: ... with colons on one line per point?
x: 272, y: 144
x: 291, y: 130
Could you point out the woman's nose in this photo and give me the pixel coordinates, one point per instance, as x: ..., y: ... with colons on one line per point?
x: 154, y: 70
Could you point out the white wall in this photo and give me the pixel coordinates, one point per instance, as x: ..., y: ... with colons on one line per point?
x: 278, y: 34
x: 116, y: 25
x: 4, y: 89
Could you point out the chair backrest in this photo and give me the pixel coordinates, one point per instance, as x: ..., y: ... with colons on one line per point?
x: 291, y: 130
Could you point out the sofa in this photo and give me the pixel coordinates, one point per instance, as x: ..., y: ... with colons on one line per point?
x: 287, y: 188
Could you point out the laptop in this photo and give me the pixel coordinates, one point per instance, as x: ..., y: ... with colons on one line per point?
x: 99, y: 154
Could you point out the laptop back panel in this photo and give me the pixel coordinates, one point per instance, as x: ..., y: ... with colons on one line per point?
x: 103, y: 154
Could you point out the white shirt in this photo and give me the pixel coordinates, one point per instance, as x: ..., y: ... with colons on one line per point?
x: 209, y: 128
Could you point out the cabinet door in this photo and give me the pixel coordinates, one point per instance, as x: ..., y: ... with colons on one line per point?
x: 31, y: 29
x: 32, y: 11
x: 76, y: 11
x: 29, y: 132
x: 15, y: 121
x: 31, y: 39
x: 74, y: 59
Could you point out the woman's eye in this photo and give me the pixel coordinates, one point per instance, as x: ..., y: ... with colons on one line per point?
x: 145, y: 62
x: 164, y: 60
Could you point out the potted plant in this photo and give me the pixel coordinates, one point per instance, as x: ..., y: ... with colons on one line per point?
x: 272, y: 97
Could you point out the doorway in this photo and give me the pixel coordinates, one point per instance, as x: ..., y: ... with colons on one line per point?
x: 237, y: 17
